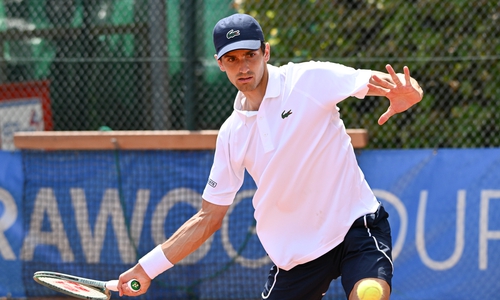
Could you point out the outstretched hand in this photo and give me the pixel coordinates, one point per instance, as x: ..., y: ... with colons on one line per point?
x: 401, y: 95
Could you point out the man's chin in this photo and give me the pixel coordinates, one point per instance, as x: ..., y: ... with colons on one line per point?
x: 245, y: 87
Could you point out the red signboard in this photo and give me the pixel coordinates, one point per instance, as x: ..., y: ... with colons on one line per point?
x: 24, y: 106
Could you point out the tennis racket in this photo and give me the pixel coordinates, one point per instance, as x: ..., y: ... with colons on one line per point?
x: 80, y: 287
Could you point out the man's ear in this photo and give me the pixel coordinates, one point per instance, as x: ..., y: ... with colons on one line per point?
x: 221, y: 67
x: 267, y: 52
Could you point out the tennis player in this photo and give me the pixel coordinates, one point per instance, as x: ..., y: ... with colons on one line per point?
x: 317, y: 217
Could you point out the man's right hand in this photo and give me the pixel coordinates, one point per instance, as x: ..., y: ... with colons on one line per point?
x: 136, y: 272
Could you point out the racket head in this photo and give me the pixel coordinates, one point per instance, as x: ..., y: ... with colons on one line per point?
x: 71, y: 288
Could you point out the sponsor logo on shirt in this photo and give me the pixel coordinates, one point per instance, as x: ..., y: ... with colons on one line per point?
x: 286, y: 114
x: 212, y: 183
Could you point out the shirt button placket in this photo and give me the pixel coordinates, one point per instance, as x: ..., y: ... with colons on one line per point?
x: 264, y: 134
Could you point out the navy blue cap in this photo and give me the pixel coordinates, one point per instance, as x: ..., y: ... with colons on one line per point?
x: 238, y: 31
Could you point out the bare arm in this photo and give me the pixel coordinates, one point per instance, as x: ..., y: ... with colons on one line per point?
x: 194, y: 232
x: 191, y: 235
x: 402, y: 90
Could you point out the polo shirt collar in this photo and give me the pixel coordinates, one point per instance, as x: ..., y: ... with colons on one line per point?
x: 273, y: 89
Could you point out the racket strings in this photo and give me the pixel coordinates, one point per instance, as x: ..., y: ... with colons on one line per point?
x: 74, y: 289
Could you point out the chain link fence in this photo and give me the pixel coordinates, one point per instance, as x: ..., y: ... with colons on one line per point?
x: 148, y: 64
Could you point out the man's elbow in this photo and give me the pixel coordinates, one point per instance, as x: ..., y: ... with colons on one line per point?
x: 214, y: 215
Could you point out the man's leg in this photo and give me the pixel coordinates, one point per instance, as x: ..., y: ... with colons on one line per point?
x: 367, y: 253
x: 308, y: 281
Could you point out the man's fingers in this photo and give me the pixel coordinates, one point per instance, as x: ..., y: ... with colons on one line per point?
x: 126, y: 290
x: 385, y: 116
x: 382, y: 82
x: 390, y: 69
x: 120, y: 287
x: 381, y: 121
x: 406, y: 70
x: 393, y: 74
x: 123, y: 285
x: 379, y: 89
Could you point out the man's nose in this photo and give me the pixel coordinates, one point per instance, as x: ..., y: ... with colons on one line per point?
x: 244, y: 66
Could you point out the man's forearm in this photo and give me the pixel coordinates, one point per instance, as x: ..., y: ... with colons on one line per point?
x: 194, y: 232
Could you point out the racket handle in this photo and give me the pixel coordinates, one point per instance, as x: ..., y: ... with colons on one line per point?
x: 134, y: 285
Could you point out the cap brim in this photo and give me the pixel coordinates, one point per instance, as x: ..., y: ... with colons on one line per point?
x: 252, y: 45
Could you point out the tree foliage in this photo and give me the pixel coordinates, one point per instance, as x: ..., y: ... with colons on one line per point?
x: 451, y: 47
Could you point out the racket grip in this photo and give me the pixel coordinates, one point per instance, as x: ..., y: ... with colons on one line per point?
x: 134, y: 285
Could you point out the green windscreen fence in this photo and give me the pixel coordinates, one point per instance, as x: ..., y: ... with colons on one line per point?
x: 148, y: 65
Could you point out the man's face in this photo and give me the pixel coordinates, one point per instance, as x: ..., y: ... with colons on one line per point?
x: 245, y: 68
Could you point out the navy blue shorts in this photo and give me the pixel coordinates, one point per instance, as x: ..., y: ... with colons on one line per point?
x: 364, y: 253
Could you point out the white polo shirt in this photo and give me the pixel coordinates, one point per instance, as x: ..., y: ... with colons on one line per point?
x: 309, y: 186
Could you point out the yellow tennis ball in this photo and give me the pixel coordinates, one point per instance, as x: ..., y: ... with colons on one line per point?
x: 369, y: 290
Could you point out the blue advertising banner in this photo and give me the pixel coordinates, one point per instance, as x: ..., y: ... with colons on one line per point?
x: 444, y: 208
x: 11, y: 229
x: 95, y: 213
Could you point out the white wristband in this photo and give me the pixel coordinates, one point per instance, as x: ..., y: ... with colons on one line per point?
x: 155, y: 262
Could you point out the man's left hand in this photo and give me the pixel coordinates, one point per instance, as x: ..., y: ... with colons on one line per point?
x: 401, y: 95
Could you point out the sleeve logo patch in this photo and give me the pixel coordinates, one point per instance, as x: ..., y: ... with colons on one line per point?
x: 212, y: 183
